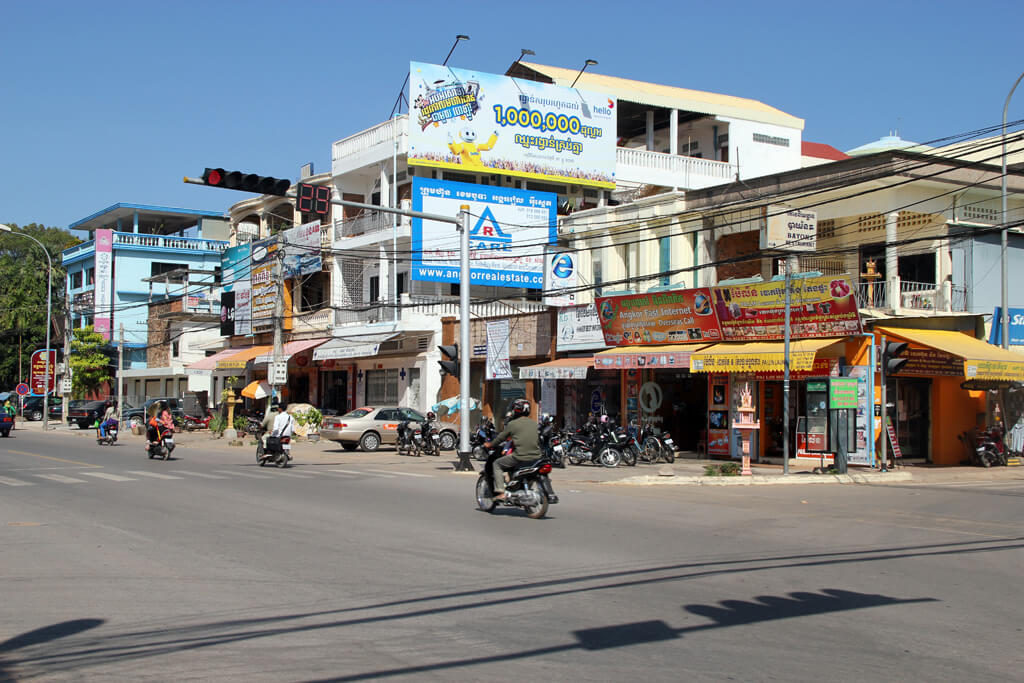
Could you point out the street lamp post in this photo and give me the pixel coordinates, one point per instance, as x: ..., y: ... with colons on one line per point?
x: 49, y: 292
x: 1006, y: 305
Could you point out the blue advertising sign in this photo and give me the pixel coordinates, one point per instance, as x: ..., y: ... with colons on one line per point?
x: 508, y: 231
x: 1016, y: 327
x: 234, y: 267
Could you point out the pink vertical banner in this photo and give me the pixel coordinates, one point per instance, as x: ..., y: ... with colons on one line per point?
x: 102, y: 309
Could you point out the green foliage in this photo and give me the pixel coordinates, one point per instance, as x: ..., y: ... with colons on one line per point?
x: 240, y: 423
x: 218, y: 423
x: 711, y: 470
x: 90, y: 366
x: 311, y: 417
x: 23, y: 280
x: 725, y: 469
x: 229, y: 389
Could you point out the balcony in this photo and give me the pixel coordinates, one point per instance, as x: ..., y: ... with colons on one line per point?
x: 919, y: 297
x: 132, y: 240
x: 369, y: 146
x: 313, y: 321
x: 418, y: 309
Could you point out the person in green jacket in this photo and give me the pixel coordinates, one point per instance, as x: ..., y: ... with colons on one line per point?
x: 523, y: 432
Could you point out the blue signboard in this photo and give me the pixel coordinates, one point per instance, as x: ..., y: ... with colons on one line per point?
x: 508, y: 230
x: 1016, y: 327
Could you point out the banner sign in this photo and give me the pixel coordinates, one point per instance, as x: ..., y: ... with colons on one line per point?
x: 820, y: 307
x: 498, y: 366
x: 931, y: 363
x: 676, y: 317
x: 37, y: 365
x: 329, y: 352
x: 264, y: 289
x: 561, y: 277
x: 507, y: 229
x: 552, y: 373
x: 235, y: 266
x: 104, y: 255
x: 579, y: 329
x: 995, y: 336
x: 227, y: 314
x: 473, y: 121
x: 994, y: 370
x: 243, y: 309
x: 788, y: 229
x: 842, y: 393
x: 302, y: 250
x: 658, y: 360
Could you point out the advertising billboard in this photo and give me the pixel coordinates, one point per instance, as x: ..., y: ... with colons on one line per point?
x: 234, y: 266
x: 676, y: 317
x: 472, y: 121
x: 302, y: 250
x: 561, y: 278
x: 37, y: 369
x: 103, y: 312
x: 789, y: 229
x: 508, y: 230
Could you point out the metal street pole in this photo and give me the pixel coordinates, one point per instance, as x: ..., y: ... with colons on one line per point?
x: 883, y: 454
x: 464, y: 343
x: 785, y: 374
x: 49, y: 293
x: 278, y: 321
x: 1004, y: 267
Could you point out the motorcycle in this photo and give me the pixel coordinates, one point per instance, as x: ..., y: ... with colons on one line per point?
x: 991, y: 447
x: 529, y: 486
x: 484, y: 433
x: 654, y: 445
x: 110, y: 438
x: 550, y: 441
x: 427, y: 439
x: 277, y: 450
x: 404, y: 441
x: 164, y: 444
x: 193, y: 422
x: 592, y: 444
x: 628, y: 446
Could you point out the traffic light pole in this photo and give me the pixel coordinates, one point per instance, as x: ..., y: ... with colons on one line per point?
x: 464, y: 276
x: 883, y: 453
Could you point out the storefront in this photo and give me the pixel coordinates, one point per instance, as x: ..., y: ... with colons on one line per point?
x: 561, y: 382
x: 303, y: 375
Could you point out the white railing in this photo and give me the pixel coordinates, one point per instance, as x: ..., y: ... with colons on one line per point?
x: 132, y: 239
x: 432, y: 307
x: 643, y: 166
x: 367, y: 222
x: 872, y: 295
x: 921, y: 296
x: 315, y: 321
x: 71, y: 252
x: 365, y: 140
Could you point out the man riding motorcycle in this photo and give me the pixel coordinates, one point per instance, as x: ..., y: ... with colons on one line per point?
x: 523, y: 432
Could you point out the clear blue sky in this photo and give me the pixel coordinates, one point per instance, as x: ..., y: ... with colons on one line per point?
x: 104, y: 102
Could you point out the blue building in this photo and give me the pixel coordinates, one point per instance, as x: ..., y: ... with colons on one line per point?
x: 128, y: 243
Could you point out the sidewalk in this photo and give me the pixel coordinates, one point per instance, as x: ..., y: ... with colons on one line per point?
x: 683, y: 472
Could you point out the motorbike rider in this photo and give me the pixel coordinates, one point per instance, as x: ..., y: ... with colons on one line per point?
x: 283, y: 426
x: 153, y: 431
x: 523, y: 432
x: 268, y: 419
x: 109, y: 417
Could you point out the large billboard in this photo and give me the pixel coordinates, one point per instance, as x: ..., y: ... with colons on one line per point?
x: 508, y: 230
x: 302, y: 250
x: 681, y: 316
x: 473, y: 121
x: 103, y: 319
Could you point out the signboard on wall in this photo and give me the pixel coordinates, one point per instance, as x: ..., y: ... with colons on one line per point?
x: 498, y: 365
x: 474, y: 121
x: 264, y: 289
x: 561, y: 278
x: 508, y: 228
x: 104, y: 255
x: 234, y: 267
x: 1016, y: 316
x: 579, y: 329
x: 38, y: 380
x: 789, y: 229
x: 675, y: 317
x: 302, y: 250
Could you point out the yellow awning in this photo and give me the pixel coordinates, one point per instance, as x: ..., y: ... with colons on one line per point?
x: 758, y: 356
x: 662, y: 356
x: 981, y: 359
x: 238, y: 360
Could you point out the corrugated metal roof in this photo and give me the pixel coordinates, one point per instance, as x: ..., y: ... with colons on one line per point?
x: 669, y: 97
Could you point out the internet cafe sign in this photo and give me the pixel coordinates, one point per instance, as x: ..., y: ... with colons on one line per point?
x: 789, y: 229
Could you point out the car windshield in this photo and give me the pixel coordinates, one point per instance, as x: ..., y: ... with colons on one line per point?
x: 415, y: 416
x: 358, y: 412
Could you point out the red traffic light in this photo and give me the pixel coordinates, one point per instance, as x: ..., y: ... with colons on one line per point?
x: 213, y: 176
x: 247, y: 182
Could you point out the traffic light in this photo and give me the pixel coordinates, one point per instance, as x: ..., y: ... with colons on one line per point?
x: 315, y: 199
x: 246, y: 182
x: 450, y: 366
x: 891, y: 362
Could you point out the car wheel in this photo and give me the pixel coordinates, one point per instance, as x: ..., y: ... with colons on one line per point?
x: 370, y: 442
x: 35, y: 415
x: 448, y: 441
x: 349, y: 446
x: 83, y: 425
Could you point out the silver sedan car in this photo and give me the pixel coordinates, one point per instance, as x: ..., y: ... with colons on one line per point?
x: 368, y: 427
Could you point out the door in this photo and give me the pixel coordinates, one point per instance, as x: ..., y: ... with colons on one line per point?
x: 913, y: 417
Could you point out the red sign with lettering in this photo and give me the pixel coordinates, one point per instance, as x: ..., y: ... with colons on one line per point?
x: 38, y: 366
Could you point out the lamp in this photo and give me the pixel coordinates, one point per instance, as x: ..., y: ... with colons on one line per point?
x: 589, y: 62
x: 458, y: 38
x: 522, y: 53
x: 1005, y: 295
x: 49, y: 292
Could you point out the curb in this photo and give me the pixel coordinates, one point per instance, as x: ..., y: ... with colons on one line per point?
x: 761, y: 480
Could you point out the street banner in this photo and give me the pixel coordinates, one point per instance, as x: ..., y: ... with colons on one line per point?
x: 235, y: 266
x: 264, y: 289
x: 472, y: 121
x: 498, y: 366
x: 676, y: 317
x: 789, y: 229
x: 302, y: 250
x: 38, y: 379
x: 227, y: 314
x: 508, y: 230
x: 104, y: 255
x: 819, y: 307
x: 579, y: 329
x: 561, y: 278
x: 243, y: 309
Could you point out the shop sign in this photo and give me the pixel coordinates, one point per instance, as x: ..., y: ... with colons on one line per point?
x: 655, y: 359
x: 676, y: 317
x: 994, y: 369
x: 471, y: 121
x: 931, y: 363
x: 38, y: 379
x: 842, y: 393
x: 822, y: 367
x: 328, y: 352
x: 234, y: 266
x: 104, y: 258
x: 264, y: 288
x: 788, y: 229
x: 553, y: 373
x: 718, y: 442
x: 819, y: 307
x: 498, y: 366
x: 302, y: 250
x: 751, y: 362
x: 1016, y: 327
x: 561, y: 278
x: 579, y: 329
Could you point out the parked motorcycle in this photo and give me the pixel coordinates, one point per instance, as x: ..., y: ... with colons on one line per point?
x: 111, y: 435
x: 277, y: 450
x: 193, y: 422
x: 550, y: 441
x: 485, y: 432
x: 427, y: 438
x: 404, y: 438
x: 654, y: 444
x: 591, y: 443
x: 991, y: 447
x: 528, y: 488
x: 164, y: 445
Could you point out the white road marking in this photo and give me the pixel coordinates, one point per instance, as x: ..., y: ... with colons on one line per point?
x: 155, y: 475
x: 104, y: 475
x: 243, y: 474
x: 289, y: 474
x: 62, y: 479
x: 343, y: 473
x: 198, y: 474
x: 401, y: 474
x: 363, y: 473
x: 14, y: 482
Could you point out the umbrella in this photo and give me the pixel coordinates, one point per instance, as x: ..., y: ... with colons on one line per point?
x: 454, y: 404
x: 256, y: 390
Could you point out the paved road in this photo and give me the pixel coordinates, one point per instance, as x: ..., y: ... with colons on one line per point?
x: 208, y: 567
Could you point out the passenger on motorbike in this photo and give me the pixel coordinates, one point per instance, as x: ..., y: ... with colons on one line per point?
x: 523, y: 432
x: 268, y: 420
x: 152, y: 432
x: 109, y: 417
x: 283, y: 426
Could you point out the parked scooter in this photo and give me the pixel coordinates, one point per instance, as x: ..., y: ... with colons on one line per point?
x: 484, y: 433
x: 529, y: 486
x: 428, y: 437
x: 277, y: 450
x: 654, y: 444
x: 404, y: 441
x: 193, y: 422
x: 592, y: 443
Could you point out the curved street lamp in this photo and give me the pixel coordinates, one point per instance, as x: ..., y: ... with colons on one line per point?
x: 1005, y: 294
x: 49, y: 291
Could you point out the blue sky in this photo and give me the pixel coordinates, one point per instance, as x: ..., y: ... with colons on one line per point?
x: 104, y: 102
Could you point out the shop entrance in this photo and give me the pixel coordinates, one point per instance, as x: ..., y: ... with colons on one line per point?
x: 684, y: 407
x: 335, y: 391
x: 913, y: 417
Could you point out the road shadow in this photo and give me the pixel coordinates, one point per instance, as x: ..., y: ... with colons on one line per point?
x: 40, y: 636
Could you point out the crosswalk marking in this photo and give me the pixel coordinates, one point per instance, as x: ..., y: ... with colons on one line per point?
x: 403, y: 474
x: 344, y: 473
x: 199, y: 474
x: 155, y: 475
x: 14, y: 482
x: 291, y: 474
x: 385, y: 474
x: 243, y: 474
x: 105, y: 475
x: 62, y: 479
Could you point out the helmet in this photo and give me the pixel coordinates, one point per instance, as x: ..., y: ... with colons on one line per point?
x: 520, y: 408
x: 431, y: 416
x: 604, y: 419
x: 547, y: 418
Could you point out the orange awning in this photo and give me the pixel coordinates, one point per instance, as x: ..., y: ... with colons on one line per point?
x: 238, y: 360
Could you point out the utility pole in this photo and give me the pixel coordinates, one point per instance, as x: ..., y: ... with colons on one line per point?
x: 883, y: 455
x: 278, y: 320
x: 120, y: 367
x: 464, y: 324
x: 785, y: 370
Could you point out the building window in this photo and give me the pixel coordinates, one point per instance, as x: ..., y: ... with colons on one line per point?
x: 382, y: 387
x: 374, y: 288
x: 76, y: 279
x: 175, y: 348
x: 598, y: 274
x: 664, y: 258
x: 90, y: 276
x: 157, y: 268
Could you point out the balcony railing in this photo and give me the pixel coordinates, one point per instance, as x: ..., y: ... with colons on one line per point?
x: 671, y: 170
x: 914, y: 296
x: 872, y: 295
x: 432, y: 307
x: 365, y: 146
x: 368, y: 222
x: 315, y: 321
x: 919, y: 296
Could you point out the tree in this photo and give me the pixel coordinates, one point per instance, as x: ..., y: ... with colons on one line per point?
x: 23, y: 280
x: 89, y: 362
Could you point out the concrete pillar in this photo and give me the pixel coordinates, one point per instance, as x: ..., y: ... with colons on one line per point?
x: 650, y: 130
x: 673, y: 132
x: 892, y: 271
x: 705, y: 253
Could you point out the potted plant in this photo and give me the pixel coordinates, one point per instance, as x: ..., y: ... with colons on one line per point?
x: 309, y: 422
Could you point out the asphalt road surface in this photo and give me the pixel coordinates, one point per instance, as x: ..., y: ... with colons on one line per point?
x: 207, y: 567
